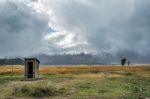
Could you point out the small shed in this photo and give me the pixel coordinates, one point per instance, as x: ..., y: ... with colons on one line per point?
x: 31, y: 68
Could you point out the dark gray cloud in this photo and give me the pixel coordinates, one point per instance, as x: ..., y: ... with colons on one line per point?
x: 21, y: 30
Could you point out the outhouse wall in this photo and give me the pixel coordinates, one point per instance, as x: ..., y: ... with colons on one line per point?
x: 36, y: 69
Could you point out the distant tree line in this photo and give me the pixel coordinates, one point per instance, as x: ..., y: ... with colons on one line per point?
x: 16, y: 61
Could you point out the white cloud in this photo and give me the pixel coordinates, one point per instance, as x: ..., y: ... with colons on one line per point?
x: 63, y: 40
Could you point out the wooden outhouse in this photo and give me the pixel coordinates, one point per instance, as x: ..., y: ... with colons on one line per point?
x: 31, y: 68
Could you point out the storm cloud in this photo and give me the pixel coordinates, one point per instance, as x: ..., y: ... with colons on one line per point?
x: 21, y: 28
x: 72, y: 26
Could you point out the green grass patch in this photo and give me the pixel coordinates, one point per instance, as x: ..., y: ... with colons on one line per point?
x: 104, y: 88
x: 131, y: 87
x: 5, y: 79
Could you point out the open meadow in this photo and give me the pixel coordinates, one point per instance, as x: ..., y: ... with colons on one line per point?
x: 77, y: 82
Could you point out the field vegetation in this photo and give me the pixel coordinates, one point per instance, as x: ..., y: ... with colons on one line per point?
x: 77, y: 82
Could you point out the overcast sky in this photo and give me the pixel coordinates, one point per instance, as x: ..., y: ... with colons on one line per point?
x: 72, y: 26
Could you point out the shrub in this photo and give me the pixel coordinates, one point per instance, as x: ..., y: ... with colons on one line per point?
x: 123, y: 61
x: 36, y: 90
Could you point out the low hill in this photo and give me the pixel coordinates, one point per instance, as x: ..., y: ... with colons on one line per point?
x: 16, y: 61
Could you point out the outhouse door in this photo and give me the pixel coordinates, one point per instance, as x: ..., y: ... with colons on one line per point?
x: 30, y: 70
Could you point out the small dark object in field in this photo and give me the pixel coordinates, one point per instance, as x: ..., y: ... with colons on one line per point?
x: 129, y: 63
x: 123, y: 61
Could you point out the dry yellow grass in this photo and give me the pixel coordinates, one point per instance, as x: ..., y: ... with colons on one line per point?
x: 93, y: 69
x: 11, y: 69
x: 19, y: 69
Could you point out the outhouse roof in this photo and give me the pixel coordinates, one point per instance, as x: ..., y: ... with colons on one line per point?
x: 26, y: 59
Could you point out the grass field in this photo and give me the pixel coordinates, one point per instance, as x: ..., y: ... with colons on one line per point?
x: 77, y: 82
